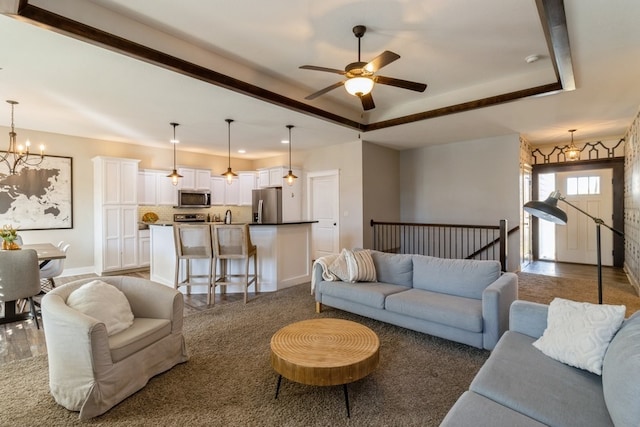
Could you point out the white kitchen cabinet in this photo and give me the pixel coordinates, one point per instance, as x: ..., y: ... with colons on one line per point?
x: 154, y: 188
x: 217, y: 190
x: 115, y: 214
x: 144, y: 248
x: 166, y: 192
x: 247, y: 182
x: 263, y: 178
x: 147, y: 188
x: 194, y: 179
x: 232, y: 192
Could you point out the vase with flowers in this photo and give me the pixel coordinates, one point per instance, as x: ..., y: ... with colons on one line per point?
x: 9, y: 235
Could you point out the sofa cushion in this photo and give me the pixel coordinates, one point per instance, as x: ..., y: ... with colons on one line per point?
x: 522, y: 378
x: 462, y: 277
x: 393, y: 268
x: 471, y: 409
x: 621, y: 374
x: 143, y: 332
x: 371, y: 294
x: 578, y: 333
x: 450, y: 310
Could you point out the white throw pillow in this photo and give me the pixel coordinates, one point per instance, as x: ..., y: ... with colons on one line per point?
x: 103, y: 302
x: 578, y: 333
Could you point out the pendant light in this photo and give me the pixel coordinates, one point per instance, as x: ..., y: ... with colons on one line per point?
x: 573, y: 153
x: 290, y: 176
x: 174, y: 175
x: 229, y: 174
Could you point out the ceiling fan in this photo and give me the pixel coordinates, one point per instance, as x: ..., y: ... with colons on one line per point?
x: 361, y: 76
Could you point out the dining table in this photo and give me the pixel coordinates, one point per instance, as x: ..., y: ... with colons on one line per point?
x: 46, y: 252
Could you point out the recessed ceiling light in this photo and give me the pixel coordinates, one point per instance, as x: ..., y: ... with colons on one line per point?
x: 285, y: 141
x: 242, y: 151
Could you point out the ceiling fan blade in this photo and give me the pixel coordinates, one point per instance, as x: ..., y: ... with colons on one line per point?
x: 385, y: 58
x: 404, y: 84
x: 367, y: 102
x: 325, y: 90
x: 328, y: 70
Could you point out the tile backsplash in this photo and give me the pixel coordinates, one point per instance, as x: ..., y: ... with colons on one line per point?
x: 165, y: 213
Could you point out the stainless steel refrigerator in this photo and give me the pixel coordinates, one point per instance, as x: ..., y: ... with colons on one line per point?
x: 267, y: 205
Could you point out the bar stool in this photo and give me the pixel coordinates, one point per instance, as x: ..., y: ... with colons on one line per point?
x: 193, y: 242
x: 234, y: 242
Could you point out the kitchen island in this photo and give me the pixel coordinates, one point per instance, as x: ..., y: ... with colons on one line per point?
x: 284, y: 257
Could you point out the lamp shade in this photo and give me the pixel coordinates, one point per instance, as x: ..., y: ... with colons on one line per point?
x: 359, y: 86
x: 548, y: 209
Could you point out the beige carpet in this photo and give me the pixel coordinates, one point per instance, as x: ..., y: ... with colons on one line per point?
x: 229, y: 382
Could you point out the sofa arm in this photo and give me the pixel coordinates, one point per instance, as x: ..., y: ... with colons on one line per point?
x: 76, y: 343
x: 496, y: 300
x: 529, y: 318
x: 316, y: 277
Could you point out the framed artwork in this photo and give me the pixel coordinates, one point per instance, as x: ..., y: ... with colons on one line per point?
x: 37, y: 197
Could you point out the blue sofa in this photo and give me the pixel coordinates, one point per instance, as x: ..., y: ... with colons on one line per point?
x: 460, y: 300
x: 520, y: 386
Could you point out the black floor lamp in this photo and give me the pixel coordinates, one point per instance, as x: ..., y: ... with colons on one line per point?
x: 549, y: 211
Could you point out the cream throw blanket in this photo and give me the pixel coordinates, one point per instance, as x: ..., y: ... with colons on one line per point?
x: 324, y: 262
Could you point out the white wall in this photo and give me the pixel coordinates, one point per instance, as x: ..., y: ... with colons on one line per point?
x: 347, y: 158
x: 381, y: 187
x: 470, y: 182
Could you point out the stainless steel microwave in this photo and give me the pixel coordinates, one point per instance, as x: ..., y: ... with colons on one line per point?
x: 194, y: 198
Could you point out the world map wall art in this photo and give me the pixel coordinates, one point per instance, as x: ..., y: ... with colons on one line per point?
x: 37, y: 197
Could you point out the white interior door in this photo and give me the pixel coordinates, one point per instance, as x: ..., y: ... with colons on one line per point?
x: 323, y: 190
x: 591, y: 191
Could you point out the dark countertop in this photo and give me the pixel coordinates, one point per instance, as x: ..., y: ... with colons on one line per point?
x: 252, y: 224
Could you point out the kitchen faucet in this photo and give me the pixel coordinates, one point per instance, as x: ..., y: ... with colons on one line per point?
x: 227, y: 216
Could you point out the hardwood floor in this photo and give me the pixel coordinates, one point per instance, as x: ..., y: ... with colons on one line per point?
x: 21, y: 340
x: 577, y: 271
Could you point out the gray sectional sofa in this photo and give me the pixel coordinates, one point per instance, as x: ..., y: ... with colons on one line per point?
x: 519, y: 386
x: 460, y: 300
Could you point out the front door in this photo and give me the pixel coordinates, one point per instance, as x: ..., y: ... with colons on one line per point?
x: 591, y: 191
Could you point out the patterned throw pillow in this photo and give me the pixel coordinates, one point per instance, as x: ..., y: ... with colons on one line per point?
x: 361, y: 266
x: 354, y: 266
x: 578, y: 333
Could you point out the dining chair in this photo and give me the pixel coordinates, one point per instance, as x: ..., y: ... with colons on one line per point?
x: 52, y: 269
x: 234, y: 242
x: 192, y: 241
x: 19, y: 278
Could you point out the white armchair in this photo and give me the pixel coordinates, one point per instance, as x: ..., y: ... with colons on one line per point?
x: 91, y: 372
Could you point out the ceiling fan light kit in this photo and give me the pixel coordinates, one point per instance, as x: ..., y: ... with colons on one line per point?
x: 361, y: 77
x: 359, y: 86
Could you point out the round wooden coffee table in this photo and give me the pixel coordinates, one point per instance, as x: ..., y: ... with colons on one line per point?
x: 324, y: 352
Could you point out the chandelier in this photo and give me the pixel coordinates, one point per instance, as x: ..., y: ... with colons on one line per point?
x: 18, y: 155
x: 573, y: 153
